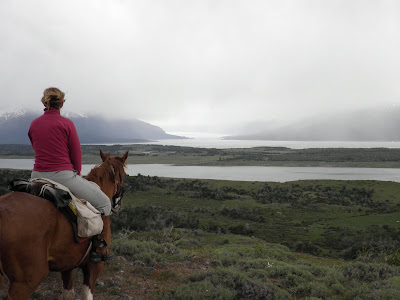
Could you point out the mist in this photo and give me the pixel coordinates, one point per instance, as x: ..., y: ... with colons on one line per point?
x: 202, y: 66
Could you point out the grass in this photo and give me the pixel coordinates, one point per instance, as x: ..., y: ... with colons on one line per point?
x: 213, y: 239
x: 359, y: 222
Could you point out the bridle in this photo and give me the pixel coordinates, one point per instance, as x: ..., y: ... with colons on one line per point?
x: 116, y: 203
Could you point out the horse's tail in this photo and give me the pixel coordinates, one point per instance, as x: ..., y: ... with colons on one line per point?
x: 3, y: 282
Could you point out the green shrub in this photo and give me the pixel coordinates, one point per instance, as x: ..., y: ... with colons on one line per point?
x: 188, y: 243
x: 199, y: 291
x: 306, y: 247
x: 395, y: 282
x: 320, y: 290
x: 382, y: 290
x: 7, y: 175
x: 241, y: 228
x: 243, y: 213
x: 365, y: 272
x: 394, y: 258
x: 335, y: 278
x: 273, y: 251
x: 338, y: 289
x: 282, y: 270
x: 249, y: 264
x: 3, y: 191
x: 228, y: 260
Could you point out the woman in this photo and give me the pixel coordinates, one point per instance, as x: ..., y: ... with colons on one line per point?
x: 58, y: 154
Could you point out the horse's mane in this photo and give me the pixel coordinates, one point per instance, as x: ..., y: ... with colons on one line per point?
x: 112, y: 167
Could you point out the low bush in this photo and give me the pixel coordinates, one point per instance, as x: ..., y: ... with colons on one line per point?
x: 368, y: 272
x: 148, y: 253
x: 7, y: 175
x: 394, y: 258
x: 200, y: 291
x: 382, y: 290
x: 240, y: 284
x: 3, y: 191
x: 151, y: 218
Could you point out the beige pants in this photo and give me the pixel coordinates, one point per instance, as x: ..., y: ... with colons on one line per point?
x: 80, y: 187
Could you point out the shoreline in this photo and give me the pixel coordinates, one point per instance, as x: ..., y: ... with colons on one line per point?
x: 242, y: 173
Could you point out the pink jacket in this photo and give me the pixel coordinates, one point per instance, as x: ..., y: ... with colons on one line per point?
x: 56, y: 143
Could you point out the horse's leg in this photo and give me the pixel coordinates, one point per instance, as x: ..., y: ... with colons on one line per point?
x: 92, y: 270
x: 90, y: 273
x: 25, y: 271
x: 22, y: 287
x: 68, y: 285
x: 20, y: 290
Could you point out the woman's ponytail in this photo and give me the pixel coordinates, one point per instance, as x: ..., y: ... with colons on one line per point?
x: 53, y: 97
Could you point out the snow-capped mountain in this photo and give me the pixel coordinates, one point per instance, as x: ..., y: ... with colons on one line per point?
x: 71, y: 114
x: 13, y: 111
x: 15, y: 122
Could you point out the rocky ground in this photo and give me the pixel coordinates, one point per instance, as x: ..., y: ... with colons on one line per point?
x: 125, y: 280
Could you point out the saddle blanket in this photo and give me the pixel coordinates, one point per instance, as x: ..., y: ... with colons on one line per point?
x: 88, y: 218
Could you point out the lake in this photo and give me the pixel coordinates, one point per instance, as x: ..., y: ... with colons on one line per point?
x: 240, y: 173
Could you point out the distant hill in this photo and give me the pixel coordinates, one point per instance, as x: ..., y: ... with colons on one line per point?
x: 362, y: 125
x: 14, y: 126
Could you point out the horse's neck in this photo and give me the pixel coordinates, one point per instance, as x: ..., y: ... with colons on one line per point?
x: 103, y: 180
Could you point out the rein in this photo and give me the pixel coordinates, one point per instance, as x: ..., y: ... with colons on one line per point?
x: 86, y: 253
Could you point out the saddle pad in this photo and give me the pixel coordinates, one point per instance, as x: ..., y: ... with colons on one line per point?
x: 59, y: 197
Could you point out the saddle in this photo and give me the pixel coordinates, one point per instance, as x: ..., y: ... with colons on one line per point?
x: 85, y: 219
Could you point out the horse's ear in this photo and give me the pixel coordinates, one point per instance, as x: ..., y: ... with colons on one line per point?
x: 103, y: 156
x: 125, y: 156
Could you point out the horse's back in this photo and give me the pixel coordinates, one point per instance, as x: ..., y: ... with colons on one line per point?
x: 27, y: 218
x: 25, y: 211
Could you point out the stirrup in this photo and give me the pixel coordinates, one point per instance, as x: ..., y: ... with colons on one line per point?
x: 98, y: 257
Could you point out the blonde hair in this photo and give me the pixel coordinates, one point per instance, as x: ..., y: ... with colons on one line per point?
x: 53, y: 97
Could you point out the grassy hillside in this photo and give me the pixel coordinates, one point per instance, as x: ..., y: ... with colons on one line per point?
x: 327, y: 218
x: 206, y: 239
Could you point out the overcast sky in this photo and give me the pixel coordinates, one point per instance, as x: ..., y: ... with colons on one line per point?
x: 202, y: 65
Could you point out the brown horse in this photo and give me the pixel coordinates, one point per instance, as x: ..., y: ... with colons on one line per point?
x: 36, y: 238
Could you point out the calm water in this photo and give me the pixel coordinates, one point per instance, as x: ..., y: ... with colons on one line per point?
x: 242, y: 173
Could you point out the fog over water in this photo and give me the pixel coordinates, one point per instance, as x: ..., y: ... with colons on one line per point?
x: 220, y: 143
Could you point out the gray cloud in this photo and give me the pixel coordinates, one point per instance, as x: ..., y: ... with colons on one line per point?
x: 202, y: 65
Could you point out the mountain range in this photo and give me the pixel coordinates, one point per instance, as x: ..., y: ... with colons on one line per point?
x: 14, y: 126
x: 379, y: 124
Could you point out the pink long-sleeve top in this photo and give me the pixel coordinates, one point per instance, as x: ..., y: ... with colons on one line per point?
x: 56, y: 143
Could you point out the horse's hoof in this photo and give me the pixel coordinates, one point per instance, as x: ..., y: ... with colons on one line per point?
x: 67, y: 295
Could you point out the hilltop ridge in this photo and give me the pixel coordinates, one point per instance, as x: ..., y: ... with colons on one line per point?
x: 380, y: 124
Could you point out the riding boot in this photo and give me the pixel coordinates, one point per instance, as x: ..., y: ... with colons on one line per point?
x: 100, y: 248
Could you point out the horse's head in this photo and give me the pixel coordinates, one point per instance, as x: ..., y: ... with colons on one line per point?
x: 110, y: 176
